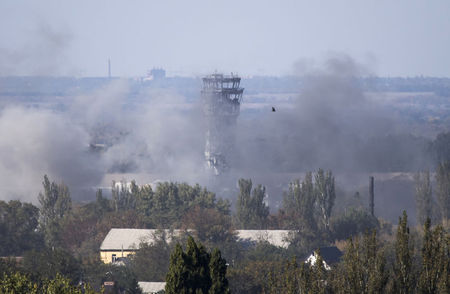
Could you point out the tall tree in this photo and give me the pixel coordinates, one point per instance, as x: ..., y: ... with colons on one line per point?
x: 403, y: 270
x: 298, y: 203
x: 251, y: 210
x: 196, y: 271
x: 423, y: 195
x: 218, y: 270
x: 326, y: 194
x: 55, y: 204
x: 374, y: 264
x: 443, y: 190
x: 433, y: 259
x: 243, y: 211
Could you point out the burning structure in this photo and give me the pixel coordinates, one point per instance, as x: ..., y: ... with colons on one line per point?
x: 222, y: 98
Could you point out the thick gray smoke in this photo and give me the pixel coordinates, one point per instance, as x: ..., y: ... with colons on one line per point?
x: 38, y: 142
x: 330, y: 124
x: 161, y: 134
x: 43, y: 53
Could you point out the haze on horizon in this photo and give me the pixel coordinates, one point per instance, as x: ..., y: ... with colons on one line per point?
x: 76, y: 38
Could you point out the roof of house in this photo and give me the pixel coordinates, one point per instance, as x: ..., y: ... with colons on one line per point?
x: 330, y: 254
x: 278, y: 238
x: 152, y: 287
x: 129, y: 239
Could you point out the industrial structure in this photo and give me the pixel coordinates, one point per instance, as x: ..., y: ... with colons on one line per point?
x: 222, y: 98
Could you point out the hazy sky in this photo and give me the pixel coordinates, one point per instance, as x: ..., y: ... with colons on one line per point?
x: 195, y: 37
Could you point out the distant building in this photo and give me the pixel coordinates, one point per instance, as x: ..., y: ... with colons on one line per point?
x: 330, y: 255
x: 152, y: 287
x: 155, y: 74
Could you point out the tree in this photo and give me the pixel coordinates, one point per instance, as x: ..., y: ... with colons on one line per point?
x: 433, y: 259
x: 218, y: 270
x: 46, y: 264
x: 403, y: 271
x: 363, y: 267
x: 443, y: 190
x: 210, y: 226
x: 243, y: 211
x: 353, y: 222
x: 326, y: 194
x: 18, y: 224
x: 251, y: 210
x: 318, y: 276
x: 151, y: 261
x: 298, y: 203
x: 55, y: 205
x: 423, y: 197
x: 196, y: 270
x: 17, y: 283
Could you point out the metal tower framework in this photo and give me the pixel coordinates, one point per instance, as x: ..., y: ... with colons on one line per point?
x: 222, y: 98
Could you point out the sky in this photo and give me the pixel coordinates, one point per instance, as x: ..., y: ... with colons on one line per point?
x: 192, y: 38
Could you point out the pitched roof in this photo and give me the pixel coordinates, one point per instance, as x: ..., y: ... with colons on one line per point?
x: 129, y: 239
x: 330, y: 254
x: 278, y: 238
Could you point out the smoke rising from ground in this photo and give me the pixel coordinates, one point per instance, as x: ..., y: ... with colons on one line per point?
x: 44, y: 53
x: 159, y: 135
x: 331, y: 124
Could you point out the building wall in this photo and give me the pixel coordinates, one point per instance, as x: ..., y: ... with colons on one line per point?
x: 107, y: 256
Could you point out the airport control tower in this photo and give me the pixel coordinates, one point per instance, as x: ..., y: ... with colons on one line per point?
x: 221, y: 97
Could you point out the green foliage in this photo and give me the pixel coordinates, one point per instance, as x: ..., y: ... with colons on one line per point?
x: 151, y: 261
x: 403, y: 267
x: 423, y: 196
x: 298, y: 204
x: 443, y: 190
x: 196, y: 270
x: 124, y: 278
x: 363, y: 268
x: 18, y: 224
x: 218, y: 270
x: 55, y: 204
x: 251, y: 210
x: 434, y: 259
x: 172, y: 200
x: 352, y: 223
x: 48, y: 263
x: 18, y: 284
x: 210, y: 226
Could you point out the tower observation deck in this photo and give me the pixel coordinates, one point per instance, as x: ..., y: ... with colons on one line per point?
x: 221, y: 96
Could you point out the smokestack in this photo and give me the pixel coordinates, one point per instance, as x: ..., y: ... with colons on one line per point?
x: 371, y: 196
x: 109, y: 68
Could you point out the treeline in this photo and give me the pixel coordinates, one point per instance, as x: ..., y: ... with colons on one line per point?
x: 372, y: 265
x: 60, y: 239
